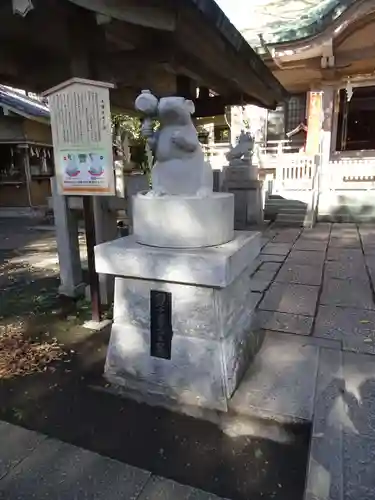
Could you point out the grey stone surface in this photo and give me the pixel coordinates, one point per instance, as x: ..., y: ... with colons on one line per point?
x: 306, y: 258
x: 317, y: 233
x: 359, y: 467
x: 257, y: 297
x: 259, y: 285
x: 211, y: 346
x: 213, y: 266
x: 359, y: 397
x: 277, y: 248
x: 280, y: 382
x: 193, y: 308
x: 355, y: 328
x: 264, y: 240
x: 196, y: 311
x: 263, y: 257
x: 348, y: 242
x: 300, y: 274
x: 371, y: 272
x: 370, y: 261
x: 201, y: 372
x: 310, y: 245
x: 283, y: 322
x: 194, y: 374
x: 287, y: 236
x: 344, y: 254
x: 341, y: 229
x: 328, y: 394
x: 305, y: 339
x: 347, y: 293
x: 324, y: 475
x: 16, y: 445
x: 271, y: 267
x: 165, y: 489
x: 63, y: 472
x: 345, y: 270
x: 293, y: 299
x: 368, y: 239
x: 369, y: 249
x: 261, y: 280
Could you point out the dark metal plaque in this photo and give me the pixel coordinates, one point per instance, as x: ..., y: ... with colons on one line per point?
x: 161, y: 324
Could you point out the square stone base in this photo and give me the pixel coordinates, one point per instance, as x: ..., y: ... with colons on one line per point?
x: 212, y: 342
x: 211, y: 314
x: 248, y: 201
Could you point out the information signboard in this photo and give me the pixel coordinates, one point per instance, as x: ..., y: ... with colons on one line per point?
x: 82, y: 137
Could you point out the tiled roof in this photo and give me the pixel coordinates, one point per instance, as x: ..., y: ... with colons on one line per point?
x: 283, y: 21
x: 21, y: 104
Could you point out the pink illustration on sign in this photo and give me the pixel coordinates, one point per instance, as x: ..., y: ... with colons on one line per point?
x: 71, y: 169
x: 96, y: 169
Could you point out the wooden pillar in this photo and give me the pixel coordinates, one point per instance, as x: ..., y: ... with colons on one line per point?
x: 26, y: 162
x: 327, y: 136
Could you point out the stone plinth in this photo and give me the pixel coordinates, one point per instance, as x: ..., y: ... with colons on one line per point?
x: 183, y: 221
x: 247, y: 190
x: 211, y: 309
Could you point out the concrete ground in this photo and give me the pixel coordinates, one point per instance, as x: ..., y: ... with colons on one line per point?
x: 34, y: 466
x: 316, y: 304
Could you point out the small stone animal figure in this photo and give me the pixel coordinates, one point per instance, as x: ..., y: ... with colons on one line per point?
x: 242, y: 151
x: 180, y: 168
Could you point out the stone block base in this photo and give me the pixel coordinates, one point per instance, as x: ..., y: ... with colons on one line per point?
x: 212, y: 342
x: 183, y: 221
x: 212, y: 308
x: 248, y: 202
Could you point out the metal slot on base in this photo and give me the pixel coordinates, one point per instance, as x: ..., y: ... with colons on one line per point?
x: 161, y: 324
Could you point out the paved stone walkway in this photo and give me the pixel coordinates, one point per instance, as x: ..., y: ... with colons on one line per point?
x: 319, y: 282
x: 316, y: 303
x: 34, y: 466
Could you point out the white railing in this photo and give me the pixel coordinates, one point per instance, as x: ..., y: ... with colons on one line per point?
x: 215, y: 154
x: 295, y: 171
x: 351, y: 173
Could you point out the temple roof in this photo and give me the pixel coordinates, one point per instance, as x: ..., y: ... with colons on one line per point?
x: 21, y: 104
x: 169, y: 46
x: 280, y: 21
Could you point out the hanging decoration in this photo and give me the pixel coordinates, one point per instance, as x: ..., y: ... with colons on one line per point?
x: 349, y: 90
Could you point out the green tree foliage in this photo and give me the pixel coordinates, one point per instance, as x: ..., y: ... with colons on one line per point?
x: 123, y: 125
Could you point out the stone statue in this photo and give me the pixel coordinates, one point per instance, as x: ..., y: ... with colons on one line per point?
x: 180, y: 168
x: 241, y: 154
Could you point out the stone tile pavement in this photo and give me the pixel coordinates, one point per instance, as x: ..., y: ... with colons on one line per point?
x: 317, y: 307
x: 34, y: 466
x: 319, y: 282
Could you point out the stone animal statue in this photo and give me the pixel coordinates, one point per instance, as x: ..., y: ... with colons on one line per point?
x: 241, y: 153
x: 180, y: 168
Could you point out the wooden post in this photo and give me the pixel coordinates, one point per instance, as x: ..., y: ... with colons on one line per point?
x: 88, y: 213
x: 26, y: 162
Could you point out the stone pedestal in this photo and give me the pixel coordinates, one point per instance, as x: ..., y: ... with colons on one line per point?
x: 242, y: 182
x: 211, y: 312
x: 183, y: 221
